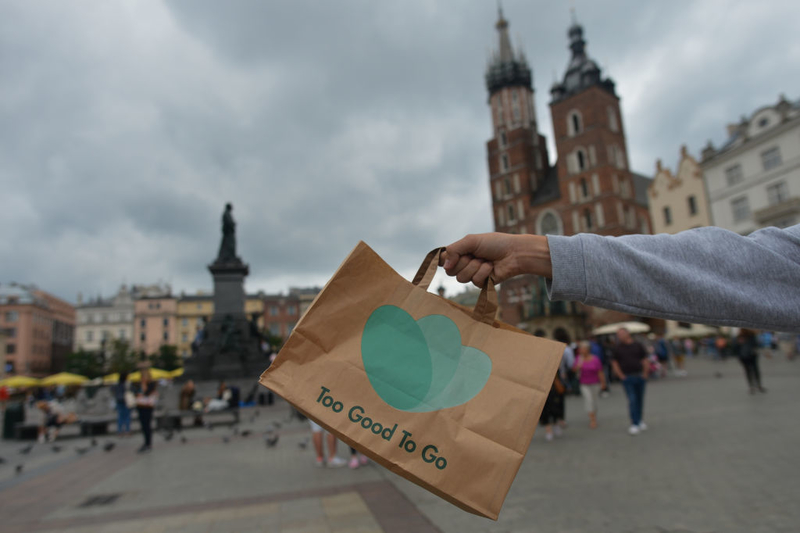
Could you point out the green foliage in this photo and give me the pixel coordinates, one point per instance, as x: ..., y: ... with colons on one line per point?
x: 167, y: 358
x: 121, y: 358
x: 89, y: 364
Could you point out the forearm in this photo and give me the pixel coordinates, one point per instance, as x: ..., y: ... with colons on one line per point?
x: 617, y: 370
x: 707, y: 275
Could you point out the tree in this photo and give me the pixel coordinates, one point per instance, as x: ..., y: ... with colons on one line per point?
x: 89, y: 364
x: 167, y: 358
x: 122, y: 358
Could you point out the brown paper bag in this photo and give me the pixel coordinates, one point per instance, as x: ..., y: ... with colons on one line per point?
x: 444, y: 396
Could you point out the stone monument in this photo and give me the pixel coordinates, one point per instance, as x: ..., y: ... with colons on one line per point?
x: 228, y: 347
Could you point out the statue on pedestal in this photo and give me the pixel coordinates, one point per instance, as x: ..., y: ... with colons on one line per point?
x: 227, y: 248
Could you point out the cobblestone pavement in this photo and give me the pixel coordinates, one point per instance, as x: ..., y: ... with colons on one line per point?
x: 715, y: 459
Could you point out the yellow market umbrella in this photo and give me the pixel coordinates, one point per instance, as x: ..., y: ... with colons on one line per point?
x: 157, y: 373
x: 177, y: 372
x: 19, y: 382
x: 135, y: 377
x: 111, y: 379
x: 64, y: 378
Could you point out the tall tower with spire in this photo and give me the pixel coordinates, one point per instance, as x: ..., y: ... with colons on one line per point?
x: 517, y: 153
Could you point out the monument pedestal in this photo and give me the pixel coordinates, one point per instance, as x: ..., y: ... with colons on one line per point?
x: 230, y: 348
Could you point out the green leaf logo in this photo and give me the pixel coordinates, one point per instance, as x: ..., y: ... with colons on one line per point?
x: 420, y: 365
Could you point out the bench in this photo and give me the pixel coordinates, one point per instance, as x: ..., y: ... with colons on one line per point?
x: 174, y: 419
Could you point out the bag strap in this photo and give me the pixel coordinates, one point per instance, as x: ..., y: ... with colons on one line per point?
x: 486, y: 306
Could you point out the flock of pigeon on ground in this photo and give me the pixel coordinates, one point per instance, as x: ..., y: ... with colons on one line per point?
x: 270, y: 440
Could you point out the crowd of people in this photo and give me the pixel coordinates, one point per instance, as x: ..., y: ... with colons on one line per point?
x: 588, y: 367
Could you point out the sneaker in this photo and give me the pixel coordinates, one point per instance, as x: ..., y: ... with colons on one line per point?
x: 336, y: 462
x: 633, y: 430
x: 363, y: 459
x: 642, y: 426
x: 557, y: 431
x: 548, y: 437
x: 41, y: 439
x: 144, y: 449
x: 353, y: 462
x: 320, y: 462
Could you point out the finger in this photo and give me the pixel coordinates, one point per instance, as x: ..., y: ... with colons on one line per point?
x: 463, y: 261
x: 483, y: 273
x: 471, y: 268
x: 465, y: 246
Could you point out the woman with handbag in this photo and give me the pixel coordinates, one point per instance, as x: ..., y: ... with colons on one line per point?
x: 553, y: 410
x: 125, y: 401
x: 146, y: 396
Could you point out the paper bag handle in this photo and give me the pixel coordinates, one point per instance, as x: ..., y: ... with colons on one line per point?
x: 486, y: 306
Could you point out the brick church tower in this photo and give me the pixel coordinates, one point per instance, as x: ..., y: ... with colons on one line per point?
x: 590, y: 189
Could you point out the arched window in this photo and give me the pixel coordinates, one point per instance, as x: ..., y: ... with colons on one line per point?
x: 584, y: 188
x: 574, y: 123
x: 613, y: 125
x: 581, y: 159
x: 511, y: 217
x: 503, y: 138
x: 587, y: 218
x: 549, y: 223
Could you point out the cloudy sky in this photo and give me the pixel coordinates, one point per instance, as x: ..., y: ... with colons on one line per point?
x: 125, y: 126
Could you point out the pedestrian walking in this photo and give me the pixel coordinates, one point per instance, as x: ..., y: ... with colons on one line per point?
x: 146, y: 396
x: 630, y: 365
x: 592, y: 379
x: 553, y: 410
x: 317, y: 432
x: 125, y: 401
x: 746, y: 350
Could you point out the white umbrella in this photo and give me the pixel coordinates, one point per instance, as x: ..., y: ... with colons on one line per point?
x: 632, y: 327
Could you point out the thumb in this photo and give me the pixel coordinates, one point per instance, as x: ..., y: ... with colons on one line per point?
x: 454, y: 251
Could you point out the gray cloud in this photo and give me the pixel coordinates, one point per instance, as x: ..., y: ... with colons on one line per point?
x: 126, y: 126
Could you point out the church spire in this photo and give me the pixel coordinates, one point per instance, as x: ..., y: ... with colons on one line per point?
x: 506, y: 68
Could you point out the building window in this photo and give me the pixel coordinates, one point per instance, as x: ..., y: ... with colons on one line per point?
x: 89, y: 336
x: 507, y: 187
x: 777, y: 193
x: 733, y: 175
x: 741, y: 209
x: 166, y: 336
x: 122, y: 334
x: 185, y: 322
x: 142, y: 337
x: 692, y: 205
x: 185, y: 337
x: 504, y: 162
x: 12, y: 316
x: 166, y: 322
x: 199, y: 321
x: 613, y: 125
x: 104, y: 335
x: 574, y: 125
x: 274, y: 329
x: 199, y: 306
x: 515, y: 106
x: 584, y: 189
x: 511, y: 217
x: 771, y: 158
x: 11, y: 348
x: 581, y: 158
x: 291, y: 310
x: 503, y: 139
x: 10, y: 332
x: 587, y: 219
x: 142, y: 323
x: 667, y: 216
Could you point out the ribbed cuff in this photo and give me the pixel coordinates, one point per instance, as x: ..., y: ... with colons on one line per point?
x: 569, y: 269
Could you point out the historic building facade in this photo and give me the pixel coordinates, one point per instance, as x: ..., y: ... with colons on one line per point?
x: 678, y: 201
x: 753, y: 180
x: 590, y: 189
x: 38, y: 329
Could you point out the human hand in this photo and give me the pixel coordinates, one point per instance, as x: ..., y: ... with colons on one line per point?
x: 500, y: 255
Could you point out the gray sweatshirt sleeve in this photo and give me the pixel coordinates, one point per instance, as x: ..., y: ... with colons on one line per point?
x: 705, y: 275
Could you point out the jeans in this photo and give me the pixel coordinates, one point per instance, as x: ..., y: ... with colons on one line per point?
x: 123, y: 418
x: 751, y: 372
x: 145, y: 420
x: 634, y: 389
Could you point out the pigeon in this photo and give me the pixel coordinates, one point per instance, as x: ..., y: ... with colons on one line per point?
x: 246, y: 433
x: 26, y: 450
x: 183, y: 439
x: 56, y: 449
x: 271, y: 440
x: 169, y: 435
x: 226, y: 440
x: 277, y: 424
x: 81, y: 451
x: 302, y: 444
x: 94, y: 442
x: 108, y: 446
x: 19, y: 469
